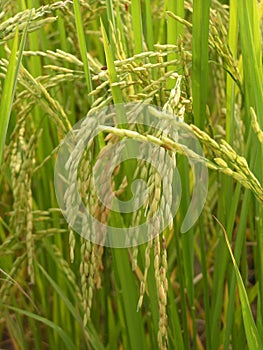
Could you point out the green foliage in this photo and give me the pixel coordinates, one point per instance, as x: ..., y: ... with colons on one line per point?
x: 201, y: 61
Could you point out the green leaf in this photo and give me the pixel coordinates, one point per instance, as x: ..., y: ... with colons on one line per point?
x: 200, y: 60
x: 252, y: 334
x: 10, y: 87
x: 64, y: 336
x: 83, y: 48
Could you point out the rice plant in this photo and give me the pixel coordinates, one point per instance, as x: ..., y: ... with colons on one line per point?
x: 195, y: 69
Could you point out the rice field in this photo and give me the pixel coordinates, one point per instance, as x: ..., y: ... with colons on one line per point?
x: 131, y: 174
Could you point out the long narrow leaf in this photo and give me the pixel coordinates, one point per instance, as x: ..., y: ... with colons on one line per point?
x: 252, y: 335
x: 200, y: 59
x: 92, y: 337
x: 64, y: 336
x: 115, y: 89
x: 137, y: 26
x: 83, y: 48
x: 10, y: 87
